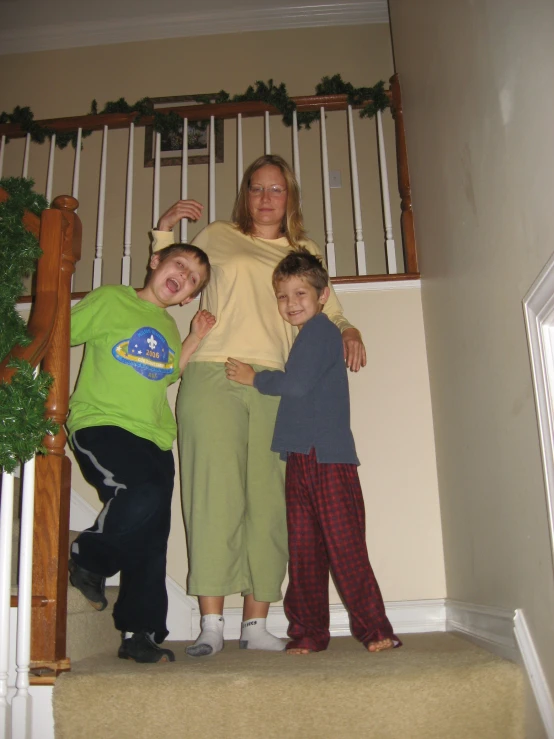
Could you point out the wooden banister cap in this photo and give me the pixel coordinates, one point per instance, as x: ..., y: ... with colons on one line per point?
x: 65, y: 202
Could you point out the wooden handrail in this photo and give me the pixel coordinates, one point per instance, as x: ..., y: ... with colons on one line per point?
x: 46, y: 303
x: 49, y: 324
x: 404, y: 186
x: 53, y: 470
x: 248, y: 109
x: 257, y: 108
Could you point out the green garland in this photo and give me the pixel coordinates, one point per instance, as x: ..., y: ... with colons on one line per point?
x: 165, y: 123
x: 22, y: 421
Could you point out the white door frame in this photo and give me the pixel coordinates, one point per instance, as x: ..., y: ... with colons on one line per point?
x: 538, y: 306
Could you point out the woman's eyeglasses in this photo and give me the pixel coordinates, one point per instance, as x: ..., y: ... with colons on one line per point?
x: 272, y: 190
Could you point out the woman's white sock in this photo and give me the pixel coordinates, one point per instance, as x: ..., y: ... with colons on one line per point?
x: 254, y: 635
x: 210, y: 640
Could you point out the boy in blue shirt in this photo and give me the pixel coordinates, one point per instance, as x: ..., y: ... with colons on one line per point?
x: 325, y: 507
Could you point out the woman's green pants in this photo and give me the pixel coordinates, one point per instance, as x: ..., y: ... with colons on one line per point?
x: 232, y: 486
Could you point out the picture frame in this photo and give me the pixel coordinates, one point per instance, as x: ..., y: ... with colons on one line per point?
x: 171, y: 146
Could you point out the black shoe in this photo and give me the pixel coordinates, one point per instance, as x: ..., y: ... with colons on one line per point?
x: 91, y: 585
x: 142, y: 648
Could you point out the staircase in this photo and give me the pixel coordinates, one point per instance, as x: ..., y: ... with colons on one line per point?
x: 438, y: 686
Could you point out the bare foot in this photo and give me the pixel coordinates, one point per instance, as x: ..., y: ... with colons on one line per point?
x: 379, y: 646
x: 299, y: 650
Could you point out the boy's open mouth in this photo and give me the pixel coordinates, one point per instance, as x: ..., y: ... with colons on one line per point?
x: 172, y: 285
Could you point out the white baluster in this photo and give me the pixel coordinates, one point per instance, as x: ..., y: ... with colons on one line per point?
x: 157, y: 159
x: 360, y: 246
x: 211, y: 196
x: 76, y: 176
x: 266, y: 133
x: 240, y: 156
x: 50, y: 174
x: 22, y: 701
x: 2, y: 148
x: 126, y: 260
x: 185, y: 177
x: 295, y: 149
x: 329, y: 243
x: 97, y: 270
x: 6, y: 524
x: 25, y: 171
x: 389, y: 240
x: 77, y: 165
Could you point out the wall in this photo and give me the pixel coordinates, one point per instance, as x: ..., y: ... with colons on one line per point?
x: 476, y: 78
x: 390, y: 398
x: 69, y: 79
x: 391, y: 421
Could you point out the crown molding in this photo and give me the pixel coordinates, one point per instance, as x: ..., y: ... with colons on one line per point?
x: 210, y: 22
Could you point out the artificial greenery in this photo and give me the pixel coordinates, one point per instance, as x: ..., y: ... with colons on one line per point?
x: 19, y: 251
x: 22, y: 421
x: 166, y: 123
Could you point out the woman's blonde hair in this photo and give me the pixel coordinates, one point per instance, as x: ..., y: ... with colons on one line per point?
x: 292, y: 225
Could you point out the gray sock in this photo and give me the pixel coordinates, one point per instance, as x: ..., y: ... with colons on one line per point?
x: 254, y: 635
x: 210, y: 639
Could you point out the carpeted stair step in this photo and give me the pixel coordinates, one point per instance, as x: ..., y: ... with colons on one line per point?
x: 438, y: 686
x: 89, y: 631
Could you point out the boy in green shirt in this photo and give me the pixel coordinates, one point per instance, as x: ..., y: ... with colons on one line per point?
x: 121, y: 429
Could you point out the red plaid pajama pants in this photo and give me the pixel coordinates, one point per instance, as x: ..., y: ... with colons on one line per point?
x: 326, y: 527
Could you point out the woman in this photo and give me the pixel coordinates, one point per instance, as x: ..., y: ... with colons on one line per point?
x: 232, y: 483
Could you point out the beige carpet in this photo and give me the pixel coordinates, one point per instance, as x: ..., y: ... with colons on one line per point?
x: 437, y: 686
x: 87, y: 628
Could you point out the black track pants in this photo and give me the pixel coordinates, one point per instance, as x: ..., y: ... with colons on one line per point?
x: 134, y: 480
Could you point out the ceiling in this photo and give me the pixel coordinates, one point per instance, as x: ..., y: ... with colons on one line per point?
x: 36, y: 25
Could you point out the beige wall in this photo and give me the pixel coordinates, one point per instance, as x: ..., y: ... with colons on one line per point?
x: 390, y: 399
x: 391, y: 421
x: 63, y: 83
x: 477, y: 80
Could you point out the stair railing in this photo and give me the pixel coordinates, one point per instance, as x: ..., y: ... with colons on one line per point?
x: 42, y: 597
x: 400, y: 264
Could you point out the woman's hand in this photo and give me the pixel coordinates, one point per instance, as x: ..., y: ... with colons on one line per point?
x: 239, y: 372
x: 202, y: 323
x: 190, y: 209
x: 354, y: 349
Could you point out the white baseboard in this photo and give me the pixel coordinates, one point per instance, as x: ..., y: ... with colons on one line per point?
x: 532, y: 663
x: 490, y: 627
x: 407, y: 617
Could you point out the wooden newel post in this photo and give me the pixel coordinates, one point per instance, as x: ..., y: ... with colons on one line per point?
x: 61, y: 225
x: 407, y: 217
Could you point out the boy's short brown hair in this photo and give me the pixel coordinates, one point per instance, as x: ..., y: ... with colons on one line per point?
x: 302, y: 263
x: 181, y: 248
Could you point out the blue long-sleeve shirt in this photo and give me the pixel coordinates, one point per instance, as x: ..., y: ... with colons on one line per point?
x: 315, y: 404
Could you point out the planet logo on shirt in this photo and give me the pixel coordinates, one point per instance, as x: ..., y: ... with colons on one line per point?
x: 147, y: 352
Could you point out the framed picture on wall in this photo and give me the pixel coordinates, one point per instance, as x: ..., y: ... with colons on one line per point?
x: 172, y: 143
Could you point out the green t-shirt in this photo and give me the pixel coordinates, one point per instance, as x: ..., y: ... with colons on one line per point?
x: 132, y: 350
